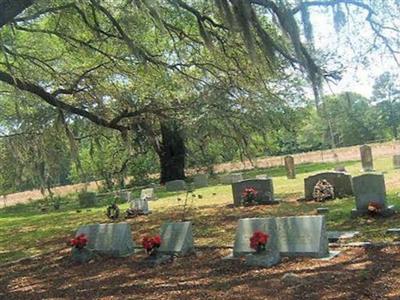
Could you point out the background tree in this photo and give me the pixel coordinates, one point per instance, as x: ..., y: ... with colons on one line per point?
x: 386, y: 94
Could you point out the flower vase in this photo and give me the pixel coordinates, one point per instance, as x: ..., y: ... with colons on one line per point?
x: 263, y: 258
x: 81, y: 255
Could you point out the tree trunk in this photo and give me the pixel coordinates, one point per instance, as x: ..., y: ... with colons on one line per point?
x: 171, y: 152
x: 9, y: 9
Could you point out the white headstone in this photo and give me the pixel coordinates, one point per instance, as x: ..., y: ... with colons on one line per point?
x: 296, y: 236
x: 245, y: 230
x: 140, y: 204
x: 176, y: 238
x: 147, y: 193
x: 114, y: 239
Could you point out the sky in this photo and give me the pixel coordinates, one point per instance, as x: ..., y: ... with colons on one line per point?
x: 357, y: 77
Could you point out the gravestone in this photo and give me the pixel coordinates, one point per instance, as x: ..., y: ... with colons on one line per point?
x: 200, y: 180
x: 176, y: 238
x: 140, y: 204
x: 290, y: 167
x: 367, y: 161
x: 303, y: 236
x: 125, y: 195
x: 175, y: 185
x: 246, y: 228
x: 113, y: 240
x: 264, y: 188
x: 231, y: 178
x: 297, y: 236
x: 396, y: 161
x: 370, y: 188
x: 147, y: 193
x: 340, y: 181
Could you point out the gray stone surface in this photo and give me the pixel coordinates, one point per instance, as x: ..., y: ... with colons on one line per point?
x: 246, y: 228
x: 114, y: 239
x: 231, y: 178
x: 334, y: 236
x: 200, y: 180
x: 266, y: 260
x: 177, y: 238
x: 261, y: 177
x: 303, y: 236
x: 148, y: 194
x: 140, y: 204
x: 396, y: 161
x: 290, y: 167
x: 296, y: 236
x: 175, y: 185
x: 340, y: 181
x: 368, y: 188
x: 367, y: 160
x: 264, y: 188
x: 322, y: 210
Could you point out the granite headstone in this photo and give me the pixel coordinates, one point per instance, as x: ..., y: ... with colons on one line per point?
x: 175, y: 185
x: 340, y: 181
x: 177, y: 238
x: 367, y: 161
x: 113, y: 239
x: 264, y: 188
x: 200, y: 180
x: 370, y: 188
x: 290, y: 167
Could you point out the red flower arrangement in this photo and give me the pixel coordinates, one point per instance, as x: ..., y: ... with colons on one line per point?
x: 79, y: 242
x: 374, y: 208
x: 151, y: 244
x: 249, y: 195
x: 258, y: 241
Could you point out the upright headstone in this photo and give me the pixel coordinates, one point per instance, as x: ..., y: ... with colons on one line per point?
x: 231, y: 178
x: 125, y: 195
x: 396, y: 161
x: 148, y: 194
x: 290, y: 168
x: 141, y: 205
x: 176, y: 238
x: 367, y: 161
x: 113, y: 240
x: 340, y: 181
x: 264, y: 188
x: 246, y: 228
x: 370, y: 188
x: 296, y: 236
x: 175, y: 185
x: 200, y: 180
x: 303, y: 236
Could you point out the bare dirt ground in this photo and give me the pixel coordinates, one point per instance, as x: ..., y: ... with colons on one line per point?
x: 339, y: 154
x: 357, y: 273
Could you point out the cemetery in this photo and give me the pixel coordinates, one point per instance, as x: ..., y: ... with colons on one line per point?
x: 218, y: 236
x: 176, y: 149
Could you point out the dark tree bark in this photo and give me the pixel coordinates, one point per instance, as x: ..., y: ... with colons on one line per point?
x: 9, y: 9
x: 171, y: 152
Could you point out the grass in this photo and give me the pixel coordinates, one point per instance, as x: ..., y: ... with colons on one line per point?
x: 25, y: 230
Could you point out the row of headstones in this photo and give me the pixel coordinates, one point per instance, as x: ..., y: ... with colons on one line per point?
x: 367, y: 162
x: 288, y: 236
x: 367, y: 188
x: 115, y: 239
